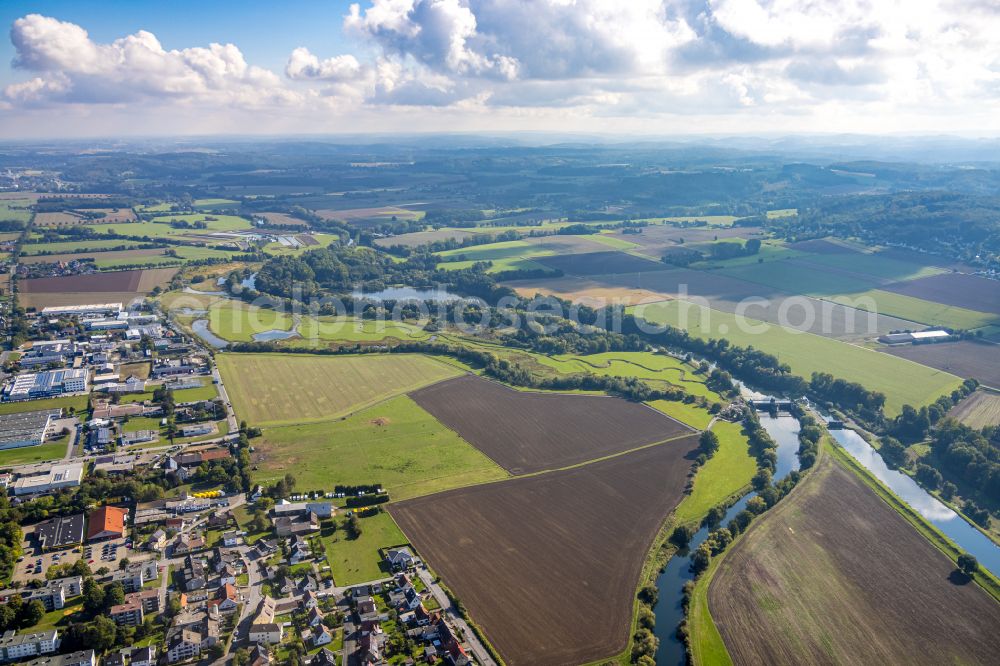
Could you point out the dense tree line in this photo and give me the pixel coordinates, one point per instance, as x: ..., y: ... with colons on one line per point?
x: 961, y: 225
x: 969, y: 457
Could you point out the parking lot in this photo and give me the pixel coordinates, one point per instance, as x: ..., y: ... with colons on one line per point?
x: 35, y: 563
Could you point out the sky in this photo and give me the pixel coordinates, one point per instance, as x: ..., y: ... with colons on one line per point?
x: 80, y: 68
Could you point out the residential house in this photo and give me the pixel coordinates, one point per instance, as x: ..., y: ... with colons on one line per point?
x: 128, y: 614
x: 53, y: 593
x: 81, y: 658
x: 144, y: 656
x: 226, y: 599
x: 259, y: 656
x: 15, y: 646
x: 231, y: 538
x: 157, y: 541
x: 305, y: 523
x: 400, y: 559
x: 136, y: 575
x: 188, y: 543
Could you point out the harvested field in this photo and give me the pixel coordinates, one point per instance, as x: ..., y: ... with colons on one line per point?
x: 109, y: 287
x: 418, y: 238
x: 599, y: 263
x: 379, y: 213
x: 57, y: 219
x: 282, y: 219
x: 655, y: 240
x: 113, y: 255
x: 980, y: 409
x: 965, y: 291
x: 570, y: 543
x: 295, y: 388
x: 528, y: 432
x: 116, y: 281
x: 834, y: 575
x: 583, y: 290
x: 110, y: 215
x: 822, y: 246
x: 966, y: 359
x: 565, y: 244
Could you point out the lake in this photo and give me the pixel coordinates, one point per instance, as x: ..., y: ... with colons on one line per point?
x: 408, y: 294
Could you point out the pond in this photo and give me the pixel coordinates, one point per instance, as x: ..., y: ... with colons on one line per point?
x: 784, y: 430
x: 250, y: 282
x: 200, y: 326
x: 967, y: 537
x: 408, y: 294
x: 273, y: 334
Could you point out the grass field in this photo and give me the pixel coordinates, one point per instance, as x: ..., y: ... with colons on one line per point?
x: 237, y: 321
x: 15, y: 209
x: 902, y: 382
x: 77, y: 402
x: 727, y: 472
x: 395, y: 443
x: 355, y: 561
x: 66, y: 247
x: 293, y: 388
x: 30, y: 454
x: 351, y: 329
x: 689, y: 413
x: 643, y: 365
x: 917, y: 309
x: 208, y: 203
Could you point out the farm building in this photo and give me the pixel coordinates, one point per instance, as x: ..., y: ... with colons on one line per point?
x: 108, y: 522
x: 917, y: 336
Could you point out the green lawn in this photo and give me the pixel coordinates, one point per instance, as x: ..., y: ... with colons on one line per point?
x: 800, y: 278
x: 691, y: 414
x: 355, y: 561
x: 917, y: 309
x: 238, y: 322
x: 395, y: 443
x: 643, y: 365
x: 77, y: 402
x: 729, y: 470
x: 198, y: 203
x: 902, y: 381
x: 136, y: 423
x: 15, y: 209
x: 289, y: 389
x: 493, y: 251
x: 350, y: 329
x: 28, y: 454
x: 206, y: 391
x: 611, y: 241
x: 66, y: 247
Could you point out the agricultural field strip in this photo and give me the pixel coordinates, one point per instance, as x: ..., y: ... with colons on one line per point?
x: 526, y: 431
x: 785, y: 625
x: 979, y: 409
x: 516, y: 534
x: 334, y: 385
x: 903, y: 381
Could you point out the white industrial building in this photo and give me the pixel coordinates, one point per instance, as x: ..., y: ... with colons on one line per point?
x: 59, y: 476
x: 42, y: 384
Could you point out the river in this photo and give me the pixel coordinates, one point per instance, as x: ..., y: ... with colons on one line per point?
x: 200, y: 326
x: 784, y: 430
x: 967, y: 537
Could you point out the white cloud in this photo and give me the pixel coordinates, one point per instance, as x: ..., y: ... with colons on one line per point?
x: 71, y: 67
x: 647, y: 63
x: 303, y: 65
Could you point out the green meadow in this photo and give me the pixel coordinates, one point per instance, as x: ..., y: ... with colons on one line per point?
x: 902, y: 381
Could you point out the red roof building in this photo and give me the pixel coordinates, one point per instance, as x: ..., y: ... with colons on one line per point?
x: 108, y: 522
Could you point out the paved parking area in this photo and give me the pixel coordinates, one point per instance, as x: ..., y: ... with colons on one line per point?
x: 101, y: 554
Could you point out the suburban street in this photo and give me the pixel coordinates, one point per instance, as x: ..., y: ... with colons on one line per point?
x: 451, y: 613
